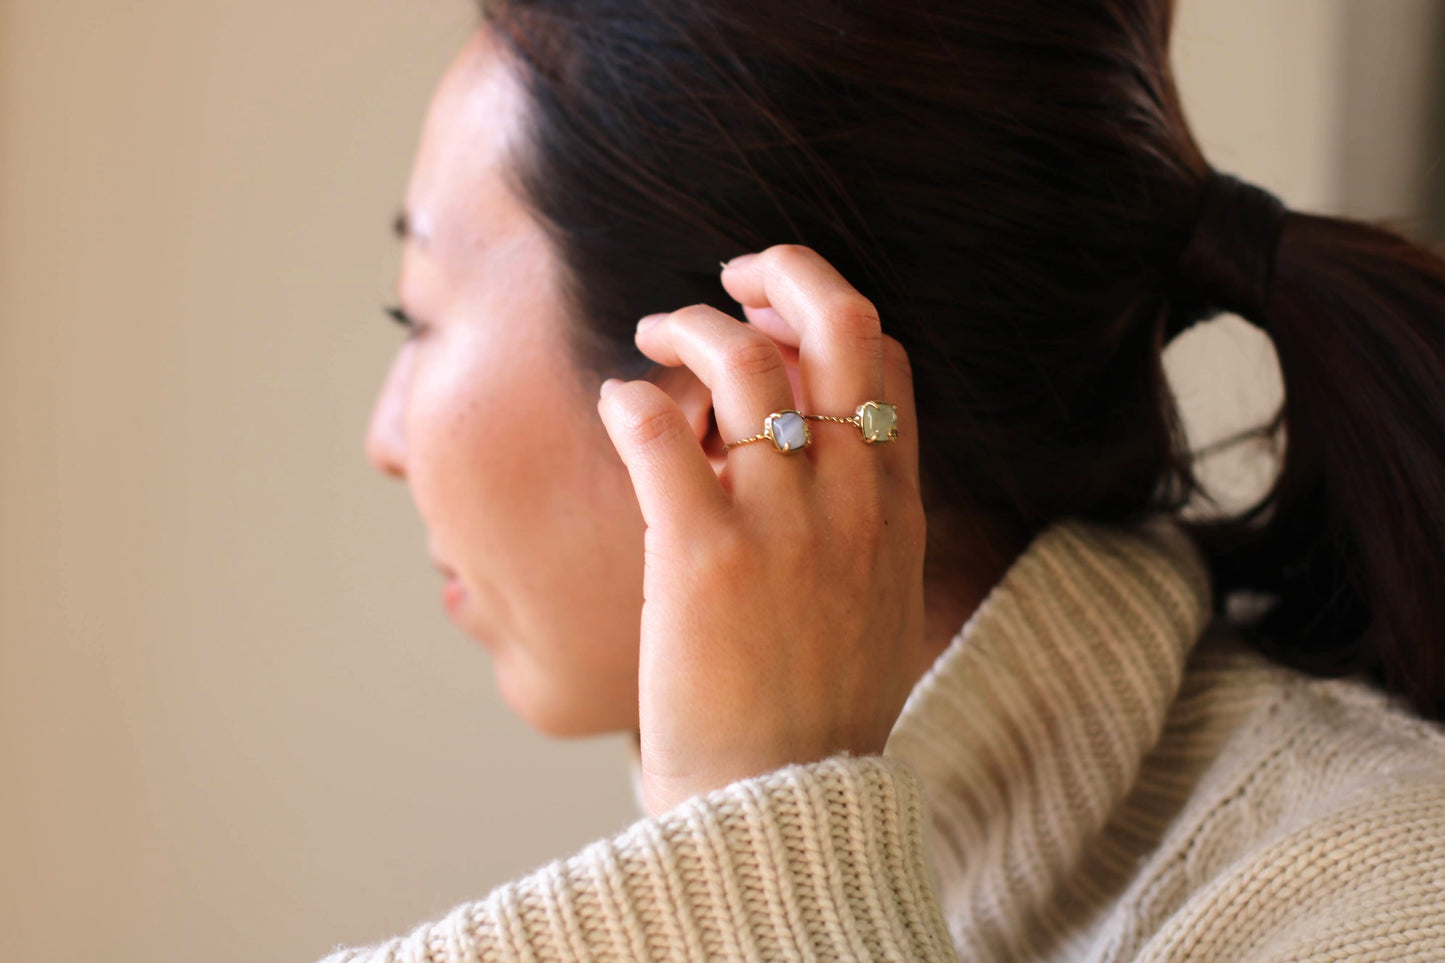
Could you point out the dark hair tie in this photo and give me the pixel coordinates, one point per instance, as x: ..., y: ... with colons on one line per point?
x: 1228, y: 263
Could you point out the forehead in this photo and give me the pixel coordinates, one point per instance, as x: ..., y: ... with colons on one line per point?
x: 473, y: 124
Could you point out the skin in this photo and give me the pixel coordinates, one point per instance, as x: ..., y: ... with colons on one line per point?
x: 555, y: 509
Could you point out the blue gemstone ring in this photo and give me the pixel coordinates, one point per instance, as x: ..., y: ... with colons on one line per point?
x: 876, y: 421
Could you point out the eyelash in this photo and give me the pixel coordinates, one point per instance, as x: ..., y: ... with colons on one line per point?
x: 397, y: 314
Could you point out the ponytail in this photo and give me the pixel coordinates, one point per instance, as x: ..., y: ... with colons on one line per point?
x: 1348, y: 546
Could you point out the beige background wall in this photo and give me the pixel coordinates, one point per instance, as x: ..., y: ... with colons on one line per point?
x: 235, y: 723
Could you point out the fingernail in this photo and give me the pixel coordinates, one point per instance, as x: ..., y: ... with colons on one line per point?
x: 738, y: 261
x: 608, y: 385
x: 649, y: 321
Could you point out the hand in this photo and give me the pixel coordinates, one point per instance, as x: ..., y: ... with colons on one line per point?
x: 783, y: 596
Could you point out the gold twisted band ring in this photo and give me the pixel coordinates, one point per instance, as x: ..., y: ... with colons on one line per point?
x: 788, y: 429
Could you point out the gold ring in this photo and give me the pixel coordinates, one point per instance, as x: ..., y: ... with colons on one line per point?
x: 876, y: 421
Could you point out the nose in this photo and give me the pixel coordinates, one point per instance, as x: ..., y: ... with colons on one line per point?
x: 385, y: 434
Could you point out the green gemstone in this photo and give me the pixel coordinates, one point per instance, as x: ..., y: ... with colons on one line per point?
x: 878, y: 420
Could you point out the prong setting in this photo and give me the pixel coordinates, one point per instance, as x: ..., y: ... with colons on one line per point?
x: 788, y: 430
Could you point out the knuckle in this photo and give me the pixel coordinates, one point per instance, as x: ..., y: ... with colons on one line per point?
x: 881, y: 522
x: 853, y: 316
x: 753, y: 357
x: 651, y: 425
x: 859, y: 309
x: 725, y: 553
x: 865, y: 509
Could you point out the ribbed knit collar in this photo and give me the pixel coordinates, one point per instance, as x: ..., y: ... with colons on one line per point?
x: 1031, y: 726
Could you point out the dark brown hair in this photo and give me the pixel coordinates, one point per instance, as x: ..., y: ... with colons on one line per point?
x: 1012, y: 183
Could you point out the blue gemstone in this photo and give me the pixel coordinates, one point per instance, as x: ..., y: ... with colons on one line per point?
x: 790, y: 432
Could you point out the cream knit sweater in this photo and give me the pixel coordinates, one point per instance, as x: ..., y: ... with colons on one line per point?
x: 1092, y: 771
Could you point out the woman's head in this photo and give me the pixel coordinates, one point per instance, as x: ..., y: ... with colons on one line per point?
x: 1010, y: 183
x: 495, y: 430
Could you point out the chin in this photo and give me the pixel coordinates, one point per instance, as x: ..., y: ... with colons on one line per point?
x: 554, y: 712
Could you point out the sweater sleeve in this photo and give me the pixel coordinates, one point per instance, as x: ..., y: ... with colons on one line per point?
x: 820, y: 861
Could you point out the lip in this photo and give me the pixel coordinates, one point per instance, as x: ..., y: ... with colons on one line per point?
x: 453, y: 594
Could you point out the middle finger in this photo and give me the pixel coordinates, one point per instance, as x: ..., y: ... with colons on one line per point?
x: 840, y: 343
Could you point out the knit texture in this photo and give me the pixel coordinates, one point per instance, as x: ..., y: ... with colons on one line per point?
x: 1093, y: 770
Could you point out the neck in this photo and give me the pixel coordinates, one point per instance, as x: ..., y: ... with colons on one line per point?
x: 968, y: 554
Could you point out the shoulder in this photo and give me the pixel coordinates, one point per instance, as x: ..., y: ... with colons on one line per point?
x: 1318, y: 828
x: 1315, y: 739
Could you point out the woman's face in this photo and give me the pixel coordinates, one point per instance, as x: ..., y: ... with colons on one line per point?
x: 496, y: 432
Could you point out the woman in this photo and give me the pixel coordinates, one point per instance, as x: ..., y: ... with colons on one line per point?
x: 927, y: 665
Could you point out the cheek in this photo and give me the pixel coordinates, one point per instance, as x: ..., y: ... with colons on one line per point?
x: 445, y: 444
x: 566, y: 660
x: 484, y: 452
x: 519, y: 486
